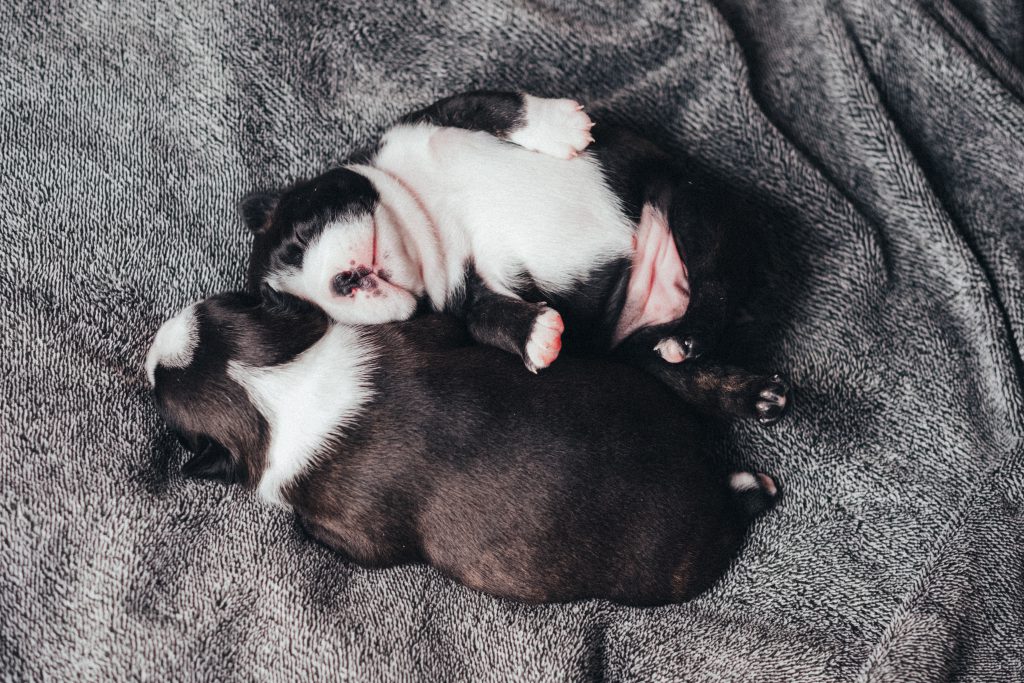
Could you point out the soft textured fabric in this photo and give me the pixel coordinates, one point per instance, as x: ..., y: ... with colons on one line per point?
x: 887, y: 136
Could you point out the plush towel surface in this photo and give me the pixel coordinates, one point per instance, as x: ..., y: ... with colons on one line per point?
x: 886, y: 135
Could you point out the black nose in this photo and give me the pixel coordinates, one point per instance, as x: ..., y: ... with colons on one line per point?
x: 345, y: 281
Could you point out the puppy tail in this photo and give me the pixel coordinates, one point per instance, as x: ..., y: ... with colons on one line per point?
x: 754, y: 492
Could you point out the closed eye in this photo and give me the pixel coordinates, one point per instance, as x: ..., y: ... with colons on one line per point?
x: 292, y: 255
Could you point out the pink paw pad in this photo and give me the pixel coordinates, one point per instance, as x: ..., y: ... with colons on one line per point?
x: 545, y: 340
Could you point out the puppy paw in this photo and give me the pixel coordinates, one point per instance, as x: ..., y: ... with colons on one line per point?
x: 772, y: 399
x: 558, y: 128
x: 674, y: 350
x: 545, y: 340
x: 670, y: 350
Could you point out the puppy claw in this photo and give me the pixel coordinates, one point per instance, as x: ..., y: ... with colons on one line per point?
x: 772, y: 400
x: 545, y: 340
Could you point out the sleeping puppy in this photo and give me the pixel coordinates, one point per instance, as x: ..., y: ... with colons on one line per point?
x: 487, y: 205
x: 407, y: 443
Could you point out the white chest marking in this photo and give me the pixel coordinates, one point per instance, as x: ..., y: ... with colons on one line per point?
x: 174, y: 344
x: 305, y: 402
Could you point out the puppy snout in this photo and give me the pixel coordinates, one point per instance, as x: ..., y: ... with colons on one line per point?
x: 347, y: 281
x: 344, y: 282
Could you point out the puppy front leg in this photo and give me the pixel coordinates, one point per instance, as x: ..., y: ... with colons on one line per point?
x: 531, y: 331
x: 556, y: 127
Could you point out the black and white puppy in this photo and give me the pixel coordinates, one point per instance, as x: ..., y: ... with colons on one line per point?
x: 408, y: 443
x: 489, y: 205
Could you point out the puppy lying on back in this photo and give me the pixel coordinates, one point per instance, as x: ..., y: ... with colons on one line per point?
x: 406, y: 443
x: 486, y: 205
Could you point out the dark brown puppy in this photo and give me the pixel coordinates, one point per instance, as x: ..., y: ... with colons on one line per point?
x: 407, y: 443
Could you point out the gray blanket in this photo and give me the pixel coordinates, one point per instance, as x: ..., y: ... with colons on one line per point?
x: 887, y: 136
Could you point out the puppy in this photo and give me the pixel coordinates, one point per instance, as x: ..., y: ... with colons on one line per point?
x: 408, y: 443
x: 489, y: 206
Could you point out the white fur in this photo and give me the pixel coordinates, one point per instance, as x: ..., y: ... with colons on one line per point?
x: 323, y: 260
x: 174, y: 344
x: 743, y: 481
x: 307, y: 401
x: 408, y: 235
x: 545, y: 340
x: 559, y: 128
x: 506, y: 208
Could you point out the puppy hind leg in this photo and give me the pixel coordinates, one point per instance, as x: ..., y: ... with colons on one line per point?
x: 722, y: 390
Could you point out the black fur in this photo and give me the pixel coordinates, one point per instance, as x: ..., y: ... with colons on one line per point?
x: 542, y: 489
x: 497, y: 113
x: 212, y: 461
x: 495, y: 319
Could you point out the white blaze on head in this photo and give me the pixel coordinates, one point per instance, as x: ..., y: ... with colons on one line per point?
x: 174, y: 344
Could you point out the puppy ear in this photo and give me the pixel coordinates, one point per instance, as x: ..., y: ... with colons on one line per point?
x: 271, y: 297
x: 256, y: 208
x: 213, y: 461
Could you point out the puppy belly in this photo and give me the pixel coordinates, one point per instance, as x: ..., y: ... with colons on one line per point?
x: 658, y: 291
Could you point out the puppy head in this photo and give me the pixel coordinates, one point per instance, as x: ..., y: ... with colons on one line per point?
x: 187, y: 367
x: 330, y: 241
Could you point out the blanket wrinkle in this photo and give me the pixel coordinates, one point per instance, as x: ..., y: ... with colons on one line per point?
x: 886, y: 137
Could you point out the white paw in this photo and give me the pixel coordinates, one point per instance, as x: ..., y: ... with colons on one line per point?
x: 545, y: 340
x: 670, y: 350
x: 558, y: 128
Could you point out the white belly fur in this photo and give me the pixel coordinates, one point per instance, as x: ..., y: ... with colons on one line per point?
x: 507, y: 208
